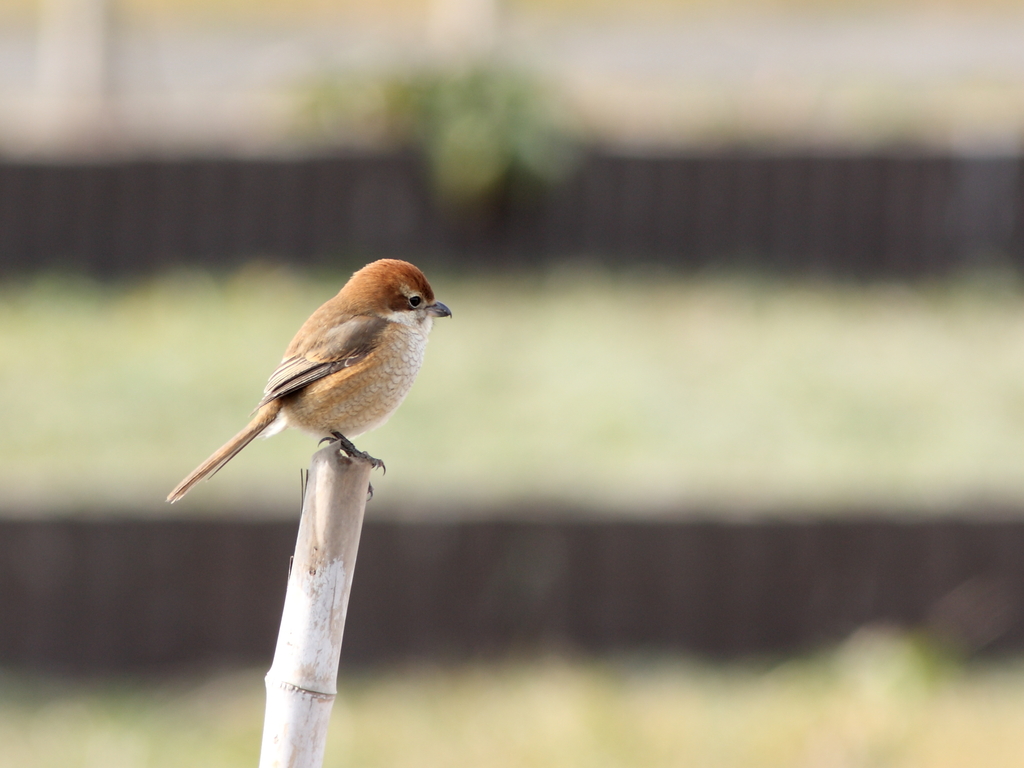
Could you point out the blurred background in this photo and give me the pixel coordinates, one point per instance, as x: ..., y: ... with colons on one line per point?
x: 717, y: 462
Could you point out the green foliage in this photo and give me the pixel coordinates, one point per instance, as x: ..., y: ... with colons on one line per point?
x: 628, y: 394
x: 487, y: 131
x: 876, y: 700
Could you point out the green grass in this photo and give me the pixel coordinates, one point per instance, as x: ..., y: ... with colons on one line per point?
x: 879, y: 700
x: 614, y: 392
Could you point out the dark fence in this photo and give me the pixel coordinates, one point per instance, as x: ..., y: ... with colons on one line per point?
x: 894, y: 215
x: 136, y: 595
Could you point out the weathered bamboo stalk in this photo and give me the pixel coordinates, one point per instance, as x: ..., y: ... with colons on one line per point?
x: 302, y: 681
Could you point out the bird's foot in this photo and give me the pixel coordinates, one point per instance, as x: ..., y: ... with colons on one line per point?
x: 354, y: 453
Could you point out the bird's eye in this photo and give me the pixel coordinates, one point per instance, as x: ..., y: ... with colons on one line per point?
x: 414, y: 301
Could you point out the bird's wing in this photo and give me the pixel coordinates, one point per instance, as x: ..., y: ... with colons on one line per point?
x: 336, y: 349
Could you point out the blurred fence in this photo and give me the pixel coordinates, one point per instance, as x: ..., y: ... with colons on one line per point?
x: 895, y: 215
x: 130, y: 594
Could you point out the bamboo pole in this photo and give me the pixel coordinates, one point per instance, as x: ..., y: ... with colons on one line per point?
x: 302, y: 681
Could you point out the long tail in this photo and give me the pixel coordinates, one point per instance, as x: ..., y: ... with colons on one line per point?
x: 263, y: 418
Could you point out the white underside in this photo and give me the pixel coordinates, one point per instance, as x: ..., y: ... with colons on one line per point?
x: 279, y: 424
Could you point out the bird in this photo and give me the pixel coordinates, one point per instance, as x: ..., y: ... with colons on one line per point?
x: 349, y: 367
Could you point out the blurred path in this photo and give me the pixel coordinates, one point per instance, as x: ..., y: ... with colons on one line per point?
x: 943, y: 79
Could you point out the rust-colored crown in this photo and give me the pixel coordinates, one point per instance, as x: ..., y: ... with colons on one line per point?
x: 386, y: 282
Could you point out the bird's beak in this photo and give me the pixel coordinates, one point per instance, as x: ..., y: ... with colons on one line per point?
x: 437, y: 309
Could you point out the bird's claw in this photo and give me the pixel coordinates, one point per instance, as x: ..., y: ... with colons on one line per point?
x: 374, y: 462
x: 354, y: 453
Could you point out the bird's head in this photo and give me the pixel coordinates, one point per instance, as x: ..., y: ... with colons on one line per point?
x: 396, y: 291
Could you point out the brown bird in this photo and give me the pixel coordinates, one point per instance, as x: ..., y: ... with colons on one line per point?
x: 348, y: 368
